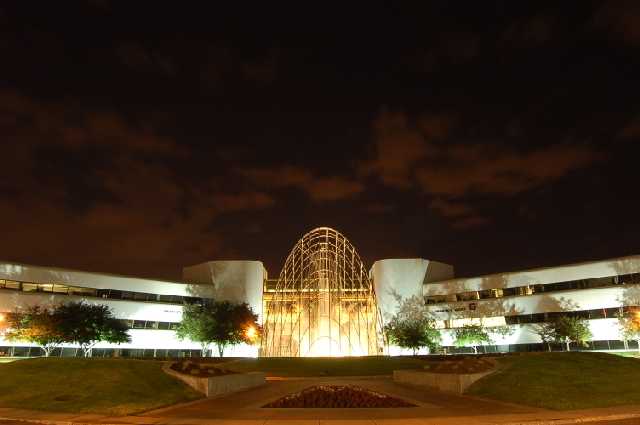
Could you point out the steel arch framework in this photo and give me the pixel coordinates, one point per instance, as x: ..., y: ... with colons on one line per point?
x: 324, y: 302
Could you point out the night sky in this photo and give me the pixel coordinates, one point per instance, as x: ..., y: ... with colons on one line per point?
x: 138, y: 137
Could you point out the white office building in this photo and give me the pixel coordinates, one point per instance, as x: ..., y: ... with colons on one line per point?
x: 325, y: 302
x: 151, y: 308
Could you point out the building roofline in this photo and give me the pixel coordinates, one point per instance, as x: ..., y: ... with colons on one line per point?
x: 111, y: 275
x: 540, y: 269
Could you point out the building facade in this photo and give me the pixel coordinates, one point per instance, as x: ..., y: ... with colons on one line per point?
x: 326, y: 302
x: 597, y: 291
x: 151, y: 308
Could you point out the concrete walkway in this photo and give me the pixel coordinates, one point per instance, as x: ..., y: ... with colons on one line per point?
x: 244, y: 408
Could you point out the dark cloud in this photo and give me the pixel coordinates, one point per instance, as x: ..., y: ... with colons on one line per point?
x: 461, y: 215
x: 262, y: 69
x: 461, y: 170
x: 139, y: 145
x: 399, y: 147
x: 146, y: 218
x: 469, y: 222
x: 36, y: 122
x: 408, y: 153
x: 318, y: 188
x: 449, y: 208
x: 620, y: 19
x: 222, y: 65
x: 531, y: 31
x: 631, y: 130
x: 137, y: 57
x: 379, y: 208
x: 452, y: 49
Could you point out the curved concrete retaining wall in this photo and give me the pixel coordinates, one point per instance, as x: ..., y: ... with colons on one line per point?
x: 218, y: 385
x: 445, y: 382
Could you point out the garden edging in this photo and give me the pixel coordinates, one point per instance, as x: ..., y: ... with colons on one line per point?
x: 218, y: 385
x: 456, y: 383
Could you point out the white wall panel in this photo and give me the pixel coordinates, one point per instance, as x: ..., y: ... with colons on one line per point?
x: 542, y: 276
x: 396, y: 279
x: 36, y: 274
x: 235, y: 281
x: 574, y: 300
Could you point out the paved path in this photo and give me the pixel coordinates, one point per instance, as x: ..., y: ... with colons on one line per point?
x: 248, y: 404
x: 434, y: 408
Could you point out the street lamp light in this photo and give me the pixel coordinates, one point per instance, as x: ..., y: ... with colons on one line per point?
x: 251, y: 332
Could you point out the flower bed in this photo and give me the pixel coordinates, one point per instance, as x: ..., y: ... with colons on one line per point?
x: 201, y: 370
x: 462, y: 365
x: 213, y: 381
x: 453, y: 376
x: 338, y: 396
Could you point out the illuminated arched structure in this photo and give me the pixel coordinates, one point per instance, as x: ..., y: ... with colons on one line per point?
x: 324, y: 302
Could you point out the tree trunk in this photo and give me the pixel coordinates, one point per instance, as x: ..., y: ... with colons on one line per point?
x: 638, y: 341
x: 549, y: 346
x: 221, y: 349
x: 414, y: 351
x: 475, y: 349
x: 567, y: 342
x: 204, y: 350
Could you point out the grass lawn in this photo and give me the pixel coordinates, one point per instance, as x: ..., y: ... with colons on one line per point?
x: 634, y: 354
x: 564, y: 380
x: 105, y: 386
x: 325, y: 366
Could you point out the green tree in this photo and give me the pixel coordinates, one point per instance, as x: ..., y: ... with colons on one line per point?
x: 501, y: 330
x: 546, y: 332
x: 36, y: 325
x: 567, y: 329
x: 235, y: 324
x: 220, y: 322
x: 630, y: 327
x: 412, y: 326
x: 413, y: 334
x: 198, y: 325
x: 471, y: 335
x: 87, y: 324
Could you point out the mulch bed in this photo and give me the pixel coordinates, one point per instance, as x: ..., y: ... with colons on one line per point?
x: 201, y: 370
x: 338, y: 396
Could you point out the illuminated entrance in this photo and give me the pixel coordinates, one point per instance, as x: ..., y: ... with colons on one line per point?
x: 323, y: 304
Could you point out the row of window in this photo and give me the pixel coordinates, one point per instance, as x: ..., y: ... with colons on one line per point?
x: 114, y: 294
x: 99, y: 352
x: 600, y: 282
x: 612, y: 344
x: 600, y: 345
x: 148, y: 324
x: 598, y: 313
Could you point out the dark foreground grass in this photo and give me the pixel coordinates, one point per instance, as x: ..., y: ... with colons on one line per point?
x: 104, y: 386
x: 325, y: 366
x: 564, y: 381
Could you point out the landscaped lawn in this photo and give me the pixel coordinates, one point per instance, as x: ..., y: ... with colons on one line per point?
x: 325, y: 366
x: 106, y: 386
x: 564, y: 380
x: 633, y: 354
